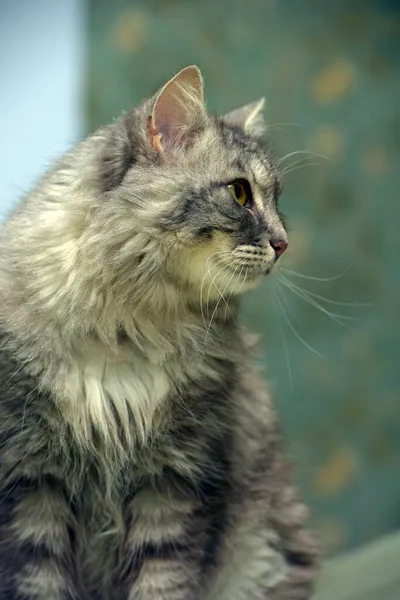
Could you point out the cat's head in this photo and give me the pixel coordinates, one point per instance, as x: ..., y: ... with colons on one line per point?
x: 156, y: 215
x: 201, y: 190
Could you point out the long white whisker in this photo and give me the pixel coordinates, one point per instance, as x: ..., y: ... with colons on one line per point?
x: 207, y: 274
x: 217, y: 304
x: 298, y: 336
x: 308, y: 152
x: 232, y: 292
x: 278, y: 309
x: 311, y: 278
x: 308, y: 298
x: 212, y: 283
x: 302, y: 160
x: 314, y: 164
x: 243, y: 280
x: 280, y: 125
x: 285, y: 301
x: 216, y: 287
x: 327, y: 300
x: 237, y: 292
x: 335, y: 317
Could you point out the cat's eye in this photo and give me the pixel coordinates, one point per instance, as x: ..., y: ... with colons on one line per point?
x: 240, y: 191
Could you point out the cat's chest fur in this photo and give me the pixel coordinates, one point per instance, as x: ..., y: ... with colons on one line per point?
x: 122, y: 397
x: 133, y: 418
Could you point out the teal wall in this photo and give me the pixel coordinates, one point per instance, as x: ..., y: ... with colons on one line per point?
x: 330, y: 72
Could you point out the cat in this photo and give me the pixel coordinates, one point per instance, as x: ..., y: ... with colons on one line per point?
x: 140, y: 456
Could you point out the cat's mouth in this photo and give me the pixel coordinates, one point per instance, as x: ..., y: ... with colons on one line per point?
x: 253, y: 261
x: 230, y: 273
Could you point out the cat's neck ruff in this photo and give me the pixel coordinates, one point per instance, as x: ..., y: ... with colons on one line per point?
x: 114, y: 393
x: 123, y: 393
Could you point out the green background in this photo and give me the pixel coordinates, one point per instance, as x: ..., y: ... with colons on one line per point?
x: 330, y: 73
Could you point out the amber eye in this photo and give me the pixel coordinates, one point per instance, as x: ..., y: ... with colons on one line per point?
x: 240, y: 192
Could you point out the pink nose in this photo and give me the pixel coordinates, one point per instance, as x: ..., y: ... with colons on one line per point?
x: 279, y: 248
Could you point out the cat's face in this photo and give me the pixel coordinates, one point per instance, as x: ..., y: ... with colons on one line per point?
x: 228, y: 230
x: 211, y: 196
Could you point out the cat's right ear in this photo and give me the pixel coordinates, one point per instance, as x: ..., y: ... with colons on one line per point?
x: 178, y: 110
x: 248, y: 117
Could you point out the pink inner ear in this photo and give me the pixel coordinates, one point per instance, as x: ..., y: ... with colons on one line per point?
x: 178, y: 106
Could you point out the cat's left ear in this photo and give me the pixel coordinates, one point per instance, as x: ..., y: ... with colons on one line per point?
x: 248, y: 117
x: 178, y: 110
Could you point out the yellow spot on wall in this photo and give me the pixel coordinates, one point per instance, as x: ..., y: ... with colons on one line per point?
x: 354, y: 411
x: 322, y: 375
x: 333, y: 82
x: 357, y: 347
x: 382, y: 451
x: 379, y: 65
x: 375, y: 160
x: 354, y: 23
x: 327, y: 140
x: 130, y: 30
x: 332, y: 535
x: 337, y: 472
x: 393, y: 400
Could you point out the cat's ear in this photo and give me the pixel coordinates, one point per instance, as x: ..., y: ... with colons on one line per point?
x: 178, y: 109
x: 248, y: 117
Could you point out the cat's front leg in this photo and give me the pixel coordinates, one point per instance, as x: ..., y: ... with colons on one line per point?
x: 266, y: 552
x: 258, y: 562
x: 164, y: 547
x: 297, y: 545
x: 35, y: 544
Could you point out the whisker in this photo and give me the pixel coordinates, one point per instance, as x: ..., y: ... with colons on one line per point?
x: 309, y: 298
x: 210, y: 288
x: 207, y: 274
x: 298, y: 336
x: 244, y: 278
x: 212, y: 283
x: 237, y: 292
x: 313, y: 278
x: 302, y: 160
x: 232, y: 292
x: 278, y: 309
x: 279, y: 125
x: 328, y: 300
x: 217, y: 304
x: 335, y: 317
x: 308, y: 152
x: 303, y: 166
x: 286, y: 302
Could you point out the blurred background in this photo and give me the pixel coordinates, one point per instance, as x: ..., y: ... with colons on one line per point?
x: 330, y: 72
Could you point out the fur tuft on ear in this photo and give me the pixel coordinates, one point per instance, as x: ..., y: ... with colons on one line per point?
x: 178, y: 109
x: 248, y: 117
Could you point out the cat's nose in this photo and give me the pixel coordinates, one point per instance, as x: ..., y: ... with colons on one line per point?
x: 279, y: 247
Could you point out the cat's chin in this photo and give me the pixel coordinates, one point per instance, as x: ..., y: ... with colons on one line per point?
x: 251, y: 284
x: 249, y: 281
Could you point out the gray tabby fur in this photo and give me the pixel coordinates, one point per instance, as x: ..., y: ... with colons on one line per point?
x: 140, y: 456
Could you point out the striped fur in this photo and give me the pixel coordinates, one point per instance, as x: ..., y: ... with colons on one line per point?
x: 140, y: 457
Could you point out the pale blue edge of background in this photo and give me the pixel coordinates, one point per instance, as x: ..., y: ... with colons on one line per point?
x: 41, y: 71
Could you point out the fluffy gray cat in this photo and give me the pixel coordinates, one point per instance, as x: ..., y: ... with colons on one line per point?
x: 140, y: 457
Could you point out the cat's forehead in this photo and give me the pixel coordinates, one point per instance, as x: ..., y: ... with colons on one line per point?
x: 231, y: 150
